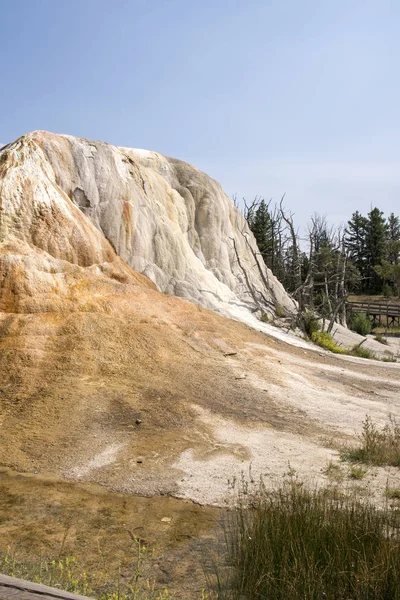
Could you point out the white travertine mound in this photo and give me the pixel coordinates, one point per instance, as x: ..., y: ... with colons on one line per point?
x: 166, y: 219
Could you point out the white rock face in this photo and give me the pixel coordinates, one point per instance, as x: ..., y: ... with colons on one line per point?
x: 67, y: 196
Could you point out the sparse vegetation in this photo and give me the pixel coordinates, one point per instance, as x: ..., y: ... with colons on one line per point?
x: 334, y: 471
x: 389, y: 358
x: 65, y: 573
x: 118, y: 541
x: 357, y: 472
x: 393, y: 493
x: 361, y: 352
x: 360, y: 323
x: 378, y: 446
x: 382, y: 340
x: 280, y: 312
x: 325, y: 340
x: 392, y: 329
x: 296, y: 544
x: 311, y: 323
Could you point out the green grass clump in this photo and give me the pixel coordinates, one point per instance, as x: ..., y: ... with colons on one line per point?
x: 361, y: 352
x: 296, y: 544
x: 325, y: 340
x: 378, y: 446
x: 357, y: 472
x: 360, y: 323
x: 279, y: 311
x: 311, y: 323
x: 334, y: 471
x: 393, y: 493
x: 389, y: 358
x: 382, y: 340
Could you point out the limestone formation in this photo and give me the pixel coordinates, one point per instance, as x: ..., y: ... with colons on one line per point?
x: 68, y: 203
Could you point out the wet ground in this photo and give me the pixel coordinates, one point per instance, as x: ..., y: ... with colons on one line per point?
x: 41, y: 516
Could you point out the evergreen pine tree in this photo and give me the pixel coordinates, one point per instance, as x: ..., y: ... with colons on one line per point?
x: 264, y: 228
x: 375, y: 248
x: 356, y: 233
x: 393, y: 239
x: 260, y: 225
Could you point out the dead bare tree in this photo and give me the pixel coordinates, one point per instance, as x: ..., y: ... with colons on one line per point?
x: 259, y: 297
x: 329, y: 266
x: 299, y: 288
x: 318, y: 279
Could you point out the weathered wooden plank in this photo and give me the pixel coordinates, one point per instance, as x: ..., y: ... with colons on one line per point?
x: 12, y: 588
x: 376, y: 309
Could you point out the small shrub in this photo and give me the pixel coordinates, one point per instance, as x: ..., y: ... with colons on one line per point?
x: 333, y: 471
x: 357, y: 472
x: 393, y: 493
x: 311, y: 323
x: 378, y: 446
x: 389, y: 358
x: 387, y: 291
x: 325, y: 340
x: 360, y: 323
x: 382, y: 340
x: 279, y: 311
x: 361, y: 352
x: 264, y: 317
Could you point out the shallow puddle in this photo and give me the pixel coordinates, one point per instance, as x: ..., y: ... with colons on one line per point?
x: 42, y: 516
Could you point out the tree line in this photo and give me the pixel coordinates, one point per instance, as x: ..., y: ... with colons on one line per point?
x: 321, y: 270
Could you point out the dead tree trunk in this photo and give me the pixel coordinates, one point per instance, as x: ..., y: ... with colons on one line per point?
x: 296, y: 256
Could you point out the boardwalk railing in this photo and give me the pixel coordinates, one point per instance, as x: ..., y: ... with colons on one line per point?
x: 382, y: 313
x: 19, y: 589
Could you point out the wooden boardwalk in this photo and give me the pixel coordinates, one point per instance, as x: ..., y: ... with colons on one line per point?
x: 382, y: 313
x: 19, y: 589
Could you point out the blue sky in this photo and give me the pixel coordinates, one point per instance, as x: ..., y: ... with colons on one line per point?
x: 268, y: 97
